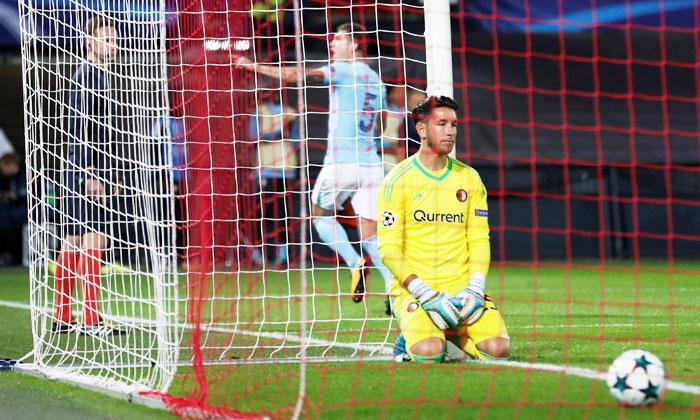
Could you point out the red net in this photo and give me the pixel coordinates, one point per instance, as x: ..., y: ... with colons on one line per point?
x: 585, y: 133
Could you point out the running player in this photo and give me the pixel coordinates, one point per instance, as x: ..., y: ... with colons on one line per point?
x: 352, y: 167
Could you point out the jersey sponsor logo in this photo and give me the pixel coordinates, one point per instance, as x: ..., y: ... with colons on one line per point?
x: 481, y: 213
x: 389, y: 219
x: 412, y: 307
x: 461, y: 195
x: 422, y: 216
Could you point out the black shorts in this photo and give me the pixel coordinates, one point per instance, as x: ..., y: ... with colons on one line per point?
x: 82, y: 215
x: 116, y: 220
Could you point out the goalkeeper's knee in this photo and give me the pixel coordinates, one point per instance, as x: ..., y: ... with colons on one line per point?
x: 428, y: 350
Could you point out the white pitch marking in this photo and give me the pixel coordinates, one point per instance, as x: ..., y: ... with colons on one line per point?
x: 544, y: 367
x: 14, y: 305
x: 278, y: 336
x: 615, y: 325
x: 17, y: 305
x: 583, y: 373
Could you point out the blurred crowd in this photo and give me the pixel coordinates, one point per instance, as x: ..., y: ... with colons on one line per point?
x: 13, y: 203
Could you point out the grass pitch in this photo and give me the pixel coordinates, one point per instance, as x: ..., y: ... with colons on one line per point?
x: 581, y: 316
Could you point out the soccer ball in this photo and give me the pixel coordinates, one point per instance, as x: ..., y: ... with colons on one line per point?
x: 637, y: 377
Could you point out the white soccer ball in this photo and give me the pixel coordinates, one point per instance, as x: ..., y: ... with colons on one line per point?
x: 637, y: 377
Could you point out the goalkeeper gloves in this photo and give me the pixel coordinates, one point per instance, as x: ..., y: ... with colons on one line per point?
x: 471, y: 299
x: 439, y: 306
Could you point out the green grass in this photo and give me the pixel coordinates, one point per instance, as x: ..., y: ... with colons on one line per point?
x: 582, y: 316
x: 30, y: 397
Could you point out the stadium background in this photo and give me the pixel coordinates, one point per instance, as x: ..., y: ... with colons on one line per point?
x: 592, y: 156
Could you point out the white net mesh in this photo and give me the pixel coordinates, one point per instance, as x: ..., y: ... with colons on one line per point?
x: 251, y: 241
x: 104, y: 293
x: 111, y: 133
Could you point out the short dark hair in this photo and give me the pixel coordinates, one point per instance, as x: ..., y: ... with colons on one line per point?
x: 427, y: 105
x: 95, y: 23
x: 357, y: 31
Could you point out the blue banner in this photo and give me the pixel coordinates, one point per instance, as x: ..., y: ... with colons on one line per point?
x: 9, y: 24
x: 578, y: 15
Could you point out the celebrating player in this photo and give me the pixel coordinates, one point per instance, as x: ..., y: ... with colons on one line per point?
x: 352, y: 168
x: 89, y: 184
x: 434, y: 238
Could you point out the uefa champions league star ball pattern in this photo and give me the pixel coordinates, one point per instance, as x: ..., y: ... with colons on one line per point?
x: 636, y: 377
x: 389, y: 219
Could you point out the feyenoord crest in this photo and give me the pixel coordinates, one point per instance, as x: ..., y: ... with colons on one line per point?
x: 461, y: 195
x: 412, y: 307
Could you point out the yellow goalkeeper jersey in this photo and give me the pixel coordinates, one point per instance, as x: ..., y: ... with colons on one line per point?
x: 433, y: 224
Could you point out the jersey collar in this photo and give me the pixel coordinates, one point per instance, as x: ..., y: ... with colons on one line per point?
x: 436, y: 176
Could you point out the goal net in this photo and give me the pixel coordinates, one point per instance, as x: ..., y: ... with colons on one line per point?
x: 104, y: 293
x: 581, y: 122
x: 262, y: 289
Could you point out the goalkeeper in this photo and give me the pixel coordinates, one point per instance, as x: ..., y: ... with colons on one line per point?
x: 434, y: 238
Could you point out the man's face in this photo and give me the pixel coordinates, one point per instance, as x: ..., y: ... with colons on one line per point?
x: 102, y: 48
x: 439, y: 131
x: 342, y: 47
x: 9, y: 169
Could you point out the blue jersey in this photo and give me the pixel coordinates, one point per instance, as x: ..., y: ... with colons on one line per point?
x: 356, y: 98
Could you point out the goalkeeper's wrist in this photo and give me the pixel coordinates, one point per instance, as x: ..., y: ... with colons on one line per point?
x: 477, y: 283
x: 420, y: 290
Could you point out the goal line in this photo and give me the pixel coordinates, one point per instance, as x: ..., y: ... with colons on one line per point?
x: 384, y: 355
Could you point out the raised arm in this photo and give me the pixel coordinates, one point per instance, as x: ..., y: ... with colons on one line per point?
x: 287, y: 74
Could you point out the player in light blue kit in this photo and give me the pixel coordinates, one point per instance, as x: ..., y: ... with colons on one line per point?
x: 352, y: 167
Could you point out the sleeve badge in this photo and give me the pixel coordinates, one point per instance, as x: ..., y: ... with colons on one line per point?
x: 389, y: 219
